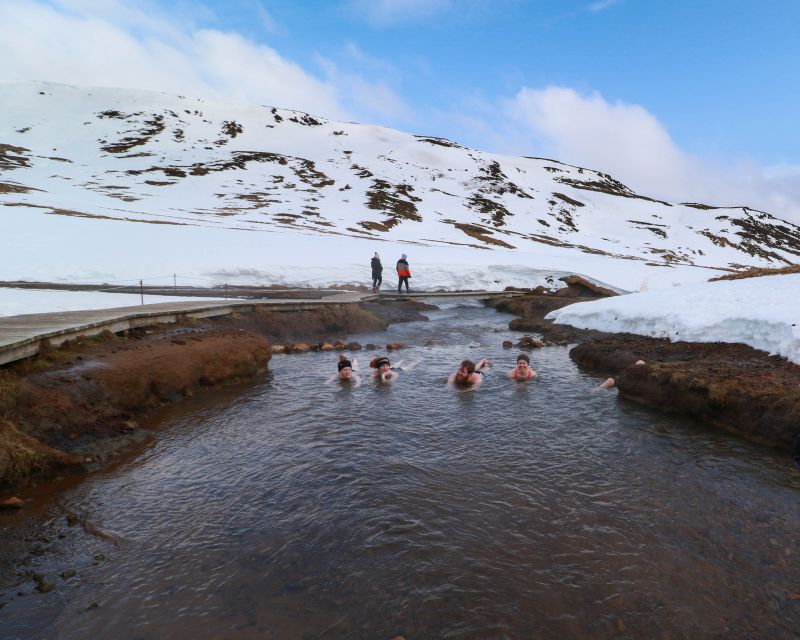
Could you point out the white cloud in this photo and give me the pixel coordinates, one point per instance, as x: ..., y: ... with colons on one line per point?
x: 588, y: 130
x: 111, y: 43
x: 602, y: 5
x: 628, y: 142
x: 370, y: 99
x: 265, y: 18
x: 117, y: 43
x: 383, y: 13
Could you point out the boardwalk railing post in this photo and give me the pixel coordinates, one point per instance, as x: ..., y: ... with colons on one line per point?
x: 175, y: 283
x: 141, y: 291
x: 226, y: 290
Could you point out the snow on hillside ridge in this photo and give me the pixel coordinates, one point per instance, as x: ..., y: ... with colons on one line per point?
x: 761, y: 312
x: 109, y: 183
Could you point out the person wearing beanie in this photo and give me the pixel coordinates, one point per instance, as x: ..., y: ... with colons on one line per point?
x: 523, y: 369
x: 377, y: 272
x: 382, y: 369
x: 346, y: 370
x: 469, y: 374
x: 403, y: 273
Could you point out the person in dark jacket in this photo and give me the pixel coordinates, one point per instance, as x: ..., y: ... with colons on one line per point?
x: 377, y: 271
x: 403, y: 273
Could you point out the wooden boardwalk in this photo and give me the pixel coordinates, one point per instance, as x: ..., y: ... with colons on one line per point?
x: 22, y: 336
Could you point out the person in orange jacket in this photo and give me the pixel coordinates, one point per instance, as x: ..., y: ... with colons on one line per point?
x: 403, y: 273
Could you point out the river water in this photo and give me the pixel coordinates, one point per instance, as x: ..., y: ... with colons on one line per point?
x: 298, y: 507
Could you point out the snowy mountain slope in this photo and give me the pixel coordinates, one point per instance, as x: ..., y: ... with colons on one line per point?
x: 193, y: 171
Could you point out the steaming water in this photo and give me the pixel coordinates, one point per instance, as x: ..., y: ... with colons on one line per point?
x: 302, y: 508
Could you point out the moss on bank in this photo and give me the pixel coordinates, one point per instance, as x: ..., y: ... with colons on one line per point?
x: 57, y: 406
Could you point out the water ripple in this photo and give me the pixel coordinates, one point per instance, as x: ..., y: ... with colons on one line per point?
x: 301, y: 508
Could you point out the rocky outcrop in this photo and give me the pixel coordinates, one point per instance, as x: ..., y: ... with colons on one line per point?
x: 398, y: 310
x: 578, y: 287
x: 309, y: 326
x: 533, y: 307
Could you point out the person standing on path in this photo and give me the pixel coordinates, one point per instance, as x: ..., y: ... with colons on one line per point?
x: 377, y: 271
x: 403, y: 273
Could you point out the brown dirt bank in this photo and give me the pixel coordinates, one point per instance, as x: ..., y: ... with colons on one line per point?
x: 730, y: 386
x: 533, y: 307
x: 79, y: 404
x: 326, y: 324
x: 58, y: 405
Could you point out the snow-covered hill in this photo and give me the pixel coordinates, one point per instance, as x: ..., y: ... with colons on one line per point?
x: 114, y: 184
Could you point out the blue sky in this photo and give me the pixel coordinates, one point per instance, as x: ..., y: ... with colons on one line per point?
x: 684, y: 99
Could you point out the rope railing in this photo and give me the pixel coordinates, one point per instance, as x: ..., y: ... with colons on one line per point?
x: 149, y: 285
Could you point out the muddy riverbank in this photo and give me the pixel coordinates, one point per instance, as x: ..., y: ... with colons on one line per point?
x: 542, y: 509
x: 730, y: 386
x: 78, y: 406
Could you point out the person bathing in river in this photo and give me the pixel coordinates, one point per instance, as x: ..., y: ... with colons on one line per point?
x: 346, y: 371
x: 469, y: 374
x: 382, y: 369
x: 523, y: 369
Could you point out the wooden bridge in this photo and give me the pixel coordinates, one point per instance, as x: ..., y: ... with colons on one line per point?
x: 22, y: 336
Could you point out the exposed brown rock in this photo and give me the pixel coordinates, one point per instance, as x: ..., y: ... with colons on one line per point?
x: 533, y: 307
x: 407, y: 310
x: 285, y: 327
x: 12, y: 503
x: 580, y: 287
x: 527, y: 342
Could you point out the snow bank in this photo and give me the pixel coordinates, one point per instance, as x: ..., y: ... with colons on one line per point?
x: 761, y: 312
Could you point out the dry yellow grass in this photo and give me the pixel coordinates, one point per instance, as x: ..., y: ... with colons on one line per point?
x: 22, y: 456
x: 758, y: 272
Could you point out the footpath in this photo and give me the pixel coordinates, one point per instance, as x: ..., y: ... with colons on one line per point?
x: 22, y: 336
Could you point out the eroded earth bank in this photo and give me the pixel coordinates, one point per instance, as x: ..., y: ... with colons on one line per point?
x: 730, y: 386
x: 78, y: 406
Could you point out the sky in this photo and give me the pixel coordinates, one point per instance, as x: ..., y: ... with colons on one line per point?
x: 681, y: 100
